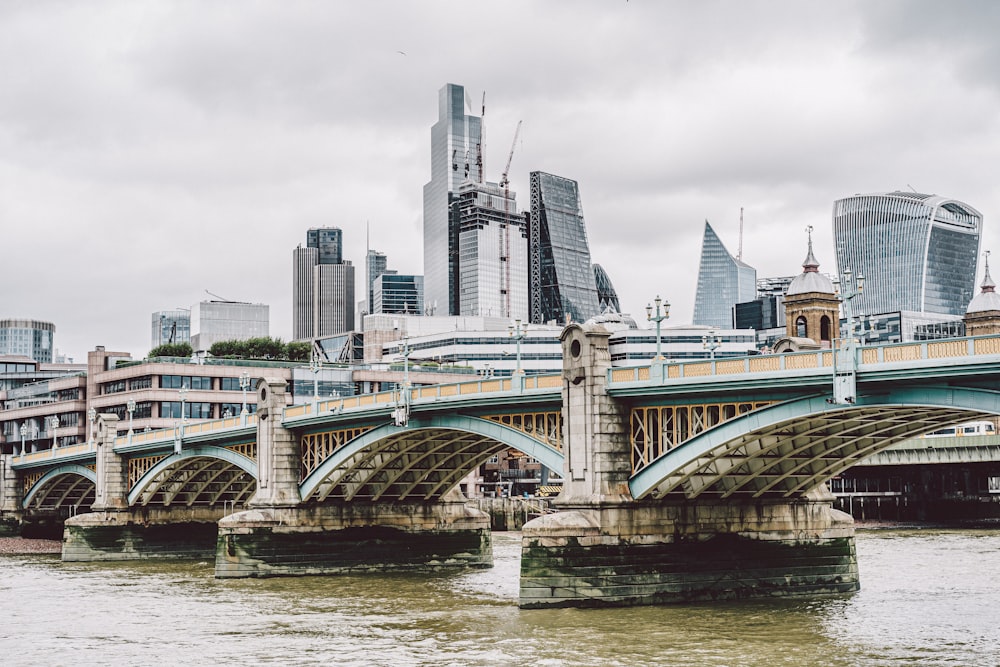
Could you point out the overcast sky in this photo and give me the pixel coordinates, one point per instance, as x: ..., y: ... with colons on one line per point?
x: 150, y: 151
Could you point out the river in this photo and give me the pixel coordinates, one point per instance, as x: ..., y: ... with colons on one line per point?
x: 928, y: 597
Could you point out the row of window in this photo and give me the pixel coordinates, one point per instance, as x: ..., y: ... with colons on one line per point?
x: 194, y: 382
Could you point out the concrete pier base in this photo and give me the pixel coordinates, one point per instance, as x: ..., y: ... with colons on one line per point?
x: 275, y: 541
x: 631, y: 555
x: 139, y: 535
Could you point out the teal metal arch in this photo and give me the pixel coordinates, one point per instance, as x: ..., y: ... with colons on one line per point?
x: 67, y: 469
x: 220, y: 453
x: 948, y: 405
x: 546, y: 455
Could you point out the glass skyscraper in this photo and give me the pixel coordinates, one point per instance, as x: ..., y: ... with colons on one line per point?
x: 607, y: 297
x: 492, y: 258
x: 395, y: 293
x: 917, y: 252
x: 456, y: 144
x: 723, y: 282
x: 561, y: 278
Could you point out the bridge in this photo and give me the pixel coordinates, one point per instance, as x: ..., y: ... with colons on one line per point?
x: 682, y: 481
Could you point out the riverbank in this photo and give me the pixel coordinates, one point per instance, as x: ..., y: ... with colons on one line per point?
x: 22, y: 545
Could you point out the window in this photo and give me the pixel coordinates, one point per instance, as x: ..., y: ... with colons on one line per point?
x: 800, y: 327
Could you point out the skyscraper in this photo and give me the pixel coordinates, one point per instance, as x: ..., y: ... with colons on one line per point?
x: 322, y: 286
x: 917, y: 252
x: 27, y: 338
x: 723, y: 282
x: 376, y: 264
x: 607, y: 297
x: 492, y: 252
x: 456, y: 156
x: 562, y: 282
x: 395, y: 293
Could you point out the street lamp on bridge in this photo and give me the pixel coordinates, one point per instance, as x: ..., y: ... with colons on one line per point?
x: 711, y: 341
x: 24, y: 434
x: 130, y: 407
x: 53, y: 425
x: 662, y: 311
x: 244, y: 385
x: 92, y: 417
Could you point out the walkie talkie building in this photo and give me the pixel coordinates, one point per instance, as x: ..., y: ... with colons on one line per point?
x: 917, y: 252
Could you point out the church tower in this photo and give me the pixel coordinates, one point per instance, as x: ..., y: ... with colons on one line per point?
x: 812, y: 307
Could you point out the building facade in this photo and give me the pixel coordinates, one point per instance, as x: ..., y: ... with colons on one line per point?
x: 398, y: 293
x: 492, y: 252
x: 170, y: 326
x: 561, y: 281
x: 917, y: 252
x: 723, y: 282
x: 29, y: 338
x: 376, y: 264
x: 456, y: 157
x: 322, y: 286
x: 214, y: 321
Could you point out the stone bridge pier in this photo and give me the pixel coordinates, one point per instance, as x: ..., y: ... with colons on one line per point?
x: 113, y: 530
x: 607, y: 549
x: 282, y: 535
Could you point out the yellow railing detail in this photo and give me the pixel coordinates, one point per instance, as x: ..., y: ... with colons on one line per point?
x: 697, y: 370
x: 827, y: 359
x: 296, y: 411
x: 766, y: 363
x: 549, y: 381
x: 947, y: 348
x: 986, y: 345
x: 625, y: 374
x: 655, y: 430
x: 869, y: 356
x: 543, y: 426
x: 644, y: 373
x: 449, y: 390
x: 729, y: 367
x: 801, y: 361
x: 139, y: 466
x: 901, y: 353
x: 315, y: 448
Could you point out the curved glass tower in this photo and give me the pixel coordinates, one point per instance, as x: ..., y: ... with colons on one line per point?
x: 917, y: 252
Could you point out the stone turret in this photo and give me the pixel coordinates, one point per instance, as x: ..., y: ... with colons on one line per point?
x: 812, y: 307
x: 982, y: 317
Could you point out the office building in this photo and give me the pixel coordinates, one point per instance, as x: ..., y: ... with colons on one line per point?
x: 322, y: 286
x: 376, y: 264
x: 456, y: 157
x: 917, y: 252
x: 562, y: 286
x: 214, y: 321
x: 27, y: 338
x: 723, y: 282
x: 170, y: 326
x: 398, y: 293
x: 493, y: 252
x: 607, y: 297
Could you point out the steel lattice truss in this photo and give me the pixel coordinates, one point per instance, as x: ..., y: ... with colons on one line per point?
x: 67, y: 490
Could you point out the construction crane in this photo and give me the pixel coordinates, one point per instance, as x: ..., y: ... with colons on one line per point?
x: 479, y: 144
x: 505, y: 228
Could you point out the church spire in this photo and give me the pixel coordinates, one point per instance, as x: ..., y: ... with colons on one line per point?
x: 810, y: 265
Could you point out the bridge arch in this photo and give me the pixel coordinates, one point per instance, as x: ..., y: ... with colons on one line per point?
x: 203, y: 475
x: 788, y: 449
x: 422, y: 460
x: 66, y: 485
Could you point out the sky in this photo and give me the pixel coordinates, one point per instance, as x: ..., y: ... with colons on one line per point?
x: 152, y: 152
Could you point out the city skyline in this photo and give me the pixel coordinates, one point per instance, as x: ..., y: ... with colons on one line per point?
x: 160, y: 151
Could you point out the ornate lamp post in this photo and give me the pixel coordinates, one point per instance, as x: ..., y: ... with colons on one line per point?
x: 402, y: 415
x: 315, y: 366
x: 244, y: 385
x: 24, y: 434
x: 845, y: 360
x: 54, y: 424
x: 183, y: 394
x: 92, y: 417
x: 658, y: 318
x: 711, y: 342
x: 130, y: 407
x: 849, y: 287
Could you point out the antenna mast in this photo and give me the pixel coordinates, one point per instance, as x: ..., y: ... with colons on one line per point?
x: 739, y: 251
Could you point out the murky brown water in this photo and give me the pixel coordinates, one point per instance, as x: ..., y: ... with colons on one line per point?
x: 929, y: 597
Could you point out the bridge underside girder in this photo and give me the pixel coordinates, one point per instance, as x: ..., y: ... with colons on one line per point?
x: 414, y: 465
x: 63, y: 491
x: 198, y: 481
x: 791, y: 458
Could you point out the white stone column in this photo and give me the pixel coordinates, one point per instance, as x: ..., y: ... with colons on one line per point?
x: 112, y: 470
x: 278, y: 456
